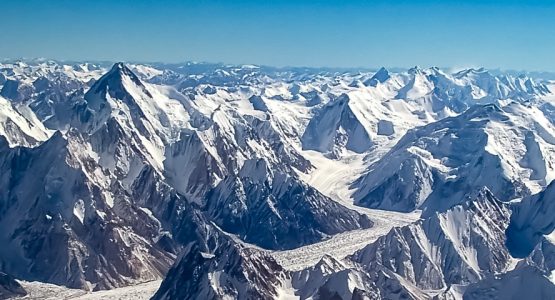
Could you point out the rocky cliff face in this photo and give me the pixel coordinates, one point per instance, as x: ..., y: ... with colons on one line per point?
x: 103, y: 204
x: 10, y: 288
x: 111, y: 175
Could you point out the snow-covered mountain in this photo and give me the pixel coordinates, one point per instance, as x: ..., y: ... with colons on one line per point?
x: 209, y: 175
x: 457, y: 254
x: 66, y: 222
x: 509, y: 149
x: 113, y: 180
x: 216, y: 266
x: 458, y: 246
x: 19, y: 126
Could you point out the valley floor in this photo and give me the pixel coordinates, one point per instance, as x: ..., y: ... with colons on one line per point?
x: 343, y: 244
x: 332, y: 178
x: 45, y: 291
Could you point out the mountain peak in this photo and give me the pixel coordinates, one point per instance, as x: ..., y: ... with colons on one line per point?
x: 379, y: 77
x: 415, y: 70
x: 113, y: 82
x: 119, y: 65
x: 121, y: 68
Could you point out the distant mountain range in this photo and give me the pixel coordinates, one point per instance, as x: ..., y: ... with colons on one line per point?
x: 208, y: 175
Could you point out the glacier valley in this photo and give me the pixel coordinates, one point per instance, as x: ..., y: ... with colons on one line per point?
x: 213, y: 181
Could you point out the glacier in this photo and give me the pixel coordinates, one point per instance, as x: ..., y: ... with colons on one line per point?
x: 214, y: 181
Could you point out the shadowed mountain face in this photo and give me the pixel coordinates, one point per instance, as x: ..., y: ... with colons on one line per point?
x: 532, y: 219
x: 207, y: 176
x: 457, y: 253
x: 10, y: 288
x: 115, y: 188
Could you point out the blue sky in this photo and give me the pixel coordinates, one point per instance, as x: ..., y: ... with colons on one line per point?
x: 494, y: 34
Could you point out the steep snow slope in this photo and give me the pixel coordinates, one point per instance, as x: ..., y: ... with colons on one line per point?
x: 456, y: 247
x: 20, y: 128
x: 103, y: 214
x: 447, y: 255
x: 67, y: 222
x: 335, y: 127
x: 357, y: 117
x: 487, y: 87
x: 509, y: 149
x: 142, y: 112
x: 251, y: 188
x: 93, y: 225
x: 155, y: 160
x: 256, y: 204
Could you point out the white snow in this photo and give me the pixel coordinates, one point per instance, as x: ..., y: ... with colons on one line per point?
x: 347, y: 243
x: 79, y: 210
x: 351, y: 139
x: 20, y: 128
x: 45, y: 291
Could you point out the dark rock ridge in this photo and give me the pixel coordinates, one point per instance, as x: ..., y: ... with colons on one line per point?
x: 96, y: 208
x: 10, y: 288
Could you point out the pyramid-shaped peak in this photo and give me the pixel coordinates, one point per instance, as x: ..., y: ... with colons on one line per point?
x: 121, y: 69
x: 382, y: 73
x: 121, y: 66
x: 330, y: 262
x: 113, y: 81
x: 379, y: 77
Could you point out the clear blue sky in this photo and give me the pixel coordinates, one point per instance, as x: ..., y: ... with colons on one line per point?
x: 495, y: 34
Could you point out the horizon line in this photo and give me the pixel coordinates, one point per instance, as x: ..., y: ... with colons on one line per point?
x: 453, y: 69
